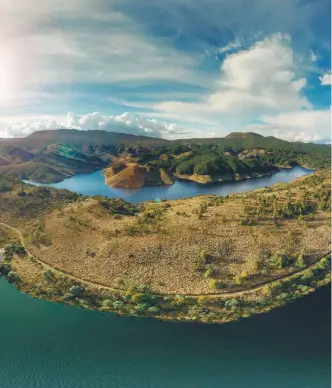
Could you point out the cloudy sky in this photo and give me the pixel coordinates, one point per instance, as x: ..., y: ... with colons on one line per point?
x: 170, y: 68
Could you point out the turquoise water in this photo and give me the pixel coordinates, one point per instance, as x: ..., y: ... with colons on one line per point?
x: 94, y: 184
x: 48, y: 345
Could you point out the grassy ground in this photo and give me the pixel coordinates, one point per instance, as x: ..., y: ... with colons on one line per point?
x: 180, y: 246
x: 184, y: 259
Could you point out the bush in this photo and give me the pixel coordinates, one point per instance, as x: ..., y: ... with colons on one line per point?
x: 271, y: 289
x: 202, y: 300
x: 214, y: 284
x: 254, y: 266
x: 208, y: 273
x: 5, y: 268
x: 231, y: 303
x: 137, y: 298
x: 179, y: 300
x: 153, y: 309
x: 107, y: 303
x: 142, y: 307
x: 49, y: 275
x: 300, y: 262
x: 76, y: 290
x: 323, y: 264
x: 13, y: 277
x: 118, y: 304
x: 307, y: 277
x: 203, y: 255
x: 280, y: 261
x: 302, y: 288
x: 10, y: 249
x: 67, y: 296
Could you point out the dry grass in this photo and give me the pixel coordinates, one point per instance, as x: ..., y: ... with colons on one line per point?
x: 126, y: 173
x: 164, y: 250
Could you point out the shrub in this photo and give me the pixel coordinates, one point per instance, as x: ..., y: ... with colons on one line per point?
x: 307, y: 276
x: 153, y: 309
x: 202, y: 300
x: 208, y: 273
x: 142, y: 307
x: 131, y: 291
x: 254, y: 266
x: 302, y: 288
x: 214, y: 284
x: 271, y: 289
x: 107, y: 303
x: 49, y: 275
x: 323, y: 264
x: 179, y: 300
x: 239, y: 279
x: 67, y: 296
x: 137, y: 298
x: 300, y: 262
x: 13, y: 277
x: 5, y: 268
x: 76, y: 291
x: 10, y: 249
x: 231, y: 303
x: 280, y: 261
x: 118, y: 304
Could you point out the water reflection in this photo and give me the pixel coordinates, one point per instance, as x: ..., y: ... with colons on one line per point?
x: 94, y: 184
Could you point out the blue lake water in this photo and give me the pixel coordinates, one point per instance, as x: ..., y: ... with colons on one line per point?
x: 94, y: 184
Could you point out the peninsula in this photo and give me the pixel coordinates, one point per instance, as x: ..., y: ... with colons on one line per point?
x: 207, y: 258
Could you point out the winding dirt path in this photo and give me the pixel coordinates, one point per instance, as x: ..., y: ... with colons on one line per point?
x: 102, y: 286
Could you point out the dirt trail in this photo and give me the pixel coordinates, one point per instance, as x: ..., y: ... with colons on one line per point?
x: 102, y: 286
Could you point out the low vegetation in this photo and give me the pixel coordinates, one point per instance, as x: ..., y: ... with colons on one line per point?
x: 208, y: 258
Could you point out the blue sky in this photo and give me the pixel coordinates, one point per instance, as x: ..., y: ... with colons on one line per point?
x: 170, y: 68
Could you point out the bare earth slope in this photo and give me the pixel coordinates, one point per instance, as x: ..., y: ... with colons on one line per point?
x: 127, y: 173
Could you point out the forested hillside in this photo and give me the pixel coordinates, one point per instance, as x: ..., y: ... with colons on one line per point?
x: 51, y: 156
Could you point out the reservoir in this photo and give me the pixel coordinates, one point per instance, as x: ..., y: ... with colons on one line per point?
x: 49, y: 345
x: 94, y: 184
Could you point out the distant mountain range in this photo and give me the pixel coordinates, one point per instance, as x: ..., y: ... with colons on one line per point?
x: 53, y: 155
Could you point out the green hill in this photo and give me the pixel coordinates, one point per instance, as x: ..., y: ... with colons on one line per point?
x: 53, y: 155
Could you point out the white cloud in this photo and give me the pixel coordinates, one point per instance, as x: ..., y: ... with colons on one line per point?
x: 79, y: 41
x: 259, y: 80
x: 303, y: 125
x: 313, y: 56
x: 125, y: 123
x: 325, y: 79
x: 233, y: 45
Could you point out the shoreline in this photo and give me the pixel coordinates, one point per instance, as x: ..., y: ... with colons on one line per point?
x: 182, y: 178
x: 206, y: 180
x: 239, y: 305
x: 230, y: 306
